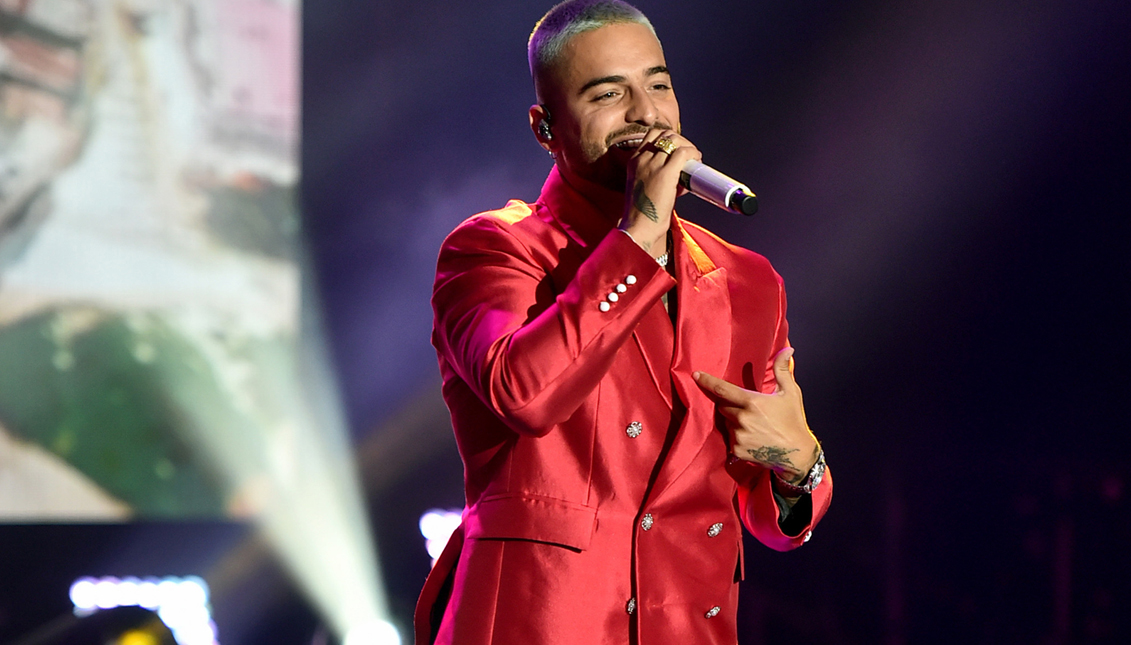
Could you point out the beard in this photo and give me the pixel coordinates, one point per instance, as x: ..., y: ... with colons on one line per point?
x: 593, y: 150
x: 609, y: 165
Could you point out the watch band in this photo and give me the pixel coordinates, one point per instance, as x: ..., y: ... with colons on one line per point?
x: 806, y: 486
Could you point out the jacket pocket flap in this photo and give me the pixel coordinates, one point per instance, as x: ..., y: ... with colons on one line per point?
x: 543, y: 519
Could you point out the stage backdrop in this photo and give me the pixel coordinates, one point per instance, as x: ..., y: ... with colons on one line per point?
x: 150, y: 271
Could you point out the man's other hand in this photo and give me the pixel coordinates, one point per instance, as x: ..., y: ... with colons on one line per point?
x: 769, y: 429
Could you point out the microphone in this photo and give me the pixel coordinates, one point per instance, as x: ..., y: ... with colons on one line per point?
x: 711, y: 185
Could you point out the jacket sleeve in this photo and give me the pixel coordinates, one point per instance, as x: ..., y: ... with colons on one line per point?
x: 530, y: 350
x: 759, y: 508
x: 760, y: 512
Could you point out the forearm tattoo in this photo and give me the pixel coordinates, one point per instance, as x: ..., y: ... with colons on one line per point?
x: 773, y: 456
x: 642, y: 203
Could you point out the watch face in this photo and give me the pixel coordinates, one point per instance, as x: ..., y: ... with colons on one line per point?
x: 817, y: 474
x: 815, y: 480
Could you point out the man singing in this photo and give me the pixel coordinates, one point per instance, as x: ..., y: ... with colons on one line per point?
x: 619, y: 380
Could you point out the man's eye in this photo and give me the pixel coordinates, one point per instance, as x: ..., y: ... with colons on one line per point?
x: 661, y: 86
x: 607, y: 95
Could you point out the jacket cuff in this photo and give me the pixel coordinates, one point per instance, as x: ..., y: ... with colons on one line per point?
x: 764, y: 519
x: 618, y: 279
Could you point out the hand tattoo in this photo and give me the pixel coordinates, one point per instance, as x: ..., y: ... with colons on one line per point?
x: 642, y: 203
x: 773, y: 456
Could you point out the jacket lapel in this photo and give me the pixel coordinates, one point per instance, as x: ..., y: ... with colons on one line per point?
x: 654, y: 338
x: 702, y: 342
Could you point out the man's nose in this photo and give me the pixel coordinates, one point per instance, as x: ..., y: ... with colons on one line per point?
x: 642, y: 109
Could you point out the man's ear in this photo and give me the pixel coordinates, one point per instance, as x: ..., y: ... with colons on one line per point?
x: 541, y: 125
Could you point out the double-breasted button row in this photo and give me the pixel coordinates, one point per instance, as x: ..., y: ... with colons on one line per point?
x: 647, y: 522
x: 630, y: 607
x: 614, y: 295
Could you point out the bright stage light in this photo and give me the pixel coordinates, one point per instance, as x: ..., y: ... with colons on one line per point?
x: 437, y: 526
x: 137, y: 637
x: 193, y: 590
x: 375, y: 633
x: 148, y: 594
x: 83, y: 596
x: 288, y: 459
x: 166, y: 592
x: 128, y: 592
x: 180, y: 603
x: 106, y: 593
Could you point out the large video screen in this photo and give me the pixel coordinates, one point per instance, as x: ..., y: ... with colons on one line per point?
x: 150, y: 257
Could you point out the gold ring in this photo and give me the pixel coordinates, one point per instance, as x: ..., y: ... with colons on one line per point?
x: 664, y: 144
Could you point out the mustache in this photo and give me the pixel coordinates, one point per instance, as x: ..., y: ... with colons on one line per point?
x: 635, y: 129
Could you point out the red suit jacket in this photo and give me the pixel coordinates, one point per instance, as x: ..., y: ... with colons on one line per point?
x: 602, y: 505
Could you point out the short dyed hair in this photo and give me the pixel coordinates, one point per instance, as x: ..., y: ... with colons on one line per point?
x: 570, y: 18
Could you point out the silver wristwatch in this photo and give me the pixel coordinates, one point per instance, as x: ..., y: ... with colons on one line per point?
x: 806, y: 486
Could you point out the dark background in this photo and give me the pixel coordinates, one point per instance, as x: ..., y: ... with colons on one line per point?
x: 942, y: 187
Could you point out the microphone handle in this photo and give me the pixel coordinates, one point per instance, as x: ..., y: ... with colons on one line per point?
x: 711, y: 185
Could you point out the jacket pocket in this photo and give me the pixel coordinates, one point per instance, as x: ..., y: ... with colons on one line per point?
x: 542, y: 519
